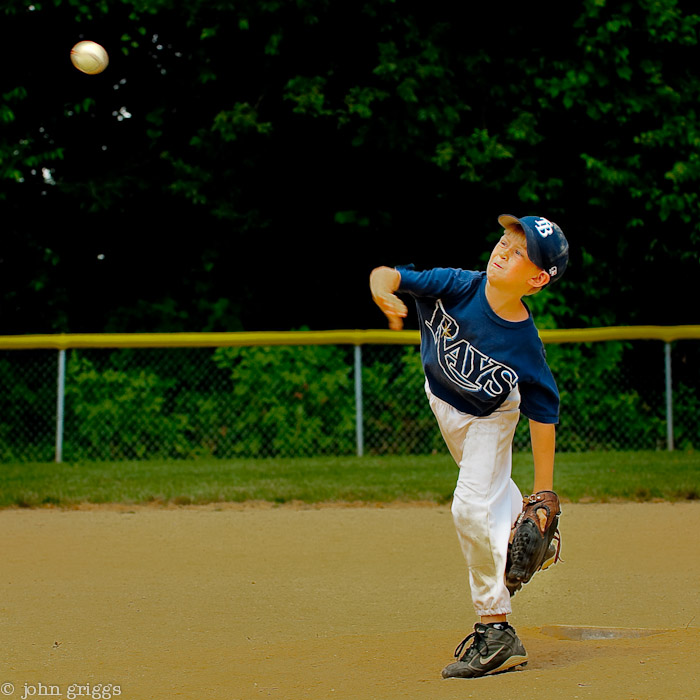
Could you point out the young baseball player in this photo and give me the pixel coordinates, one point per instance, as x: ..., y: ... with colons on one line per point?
x: 484, y: 364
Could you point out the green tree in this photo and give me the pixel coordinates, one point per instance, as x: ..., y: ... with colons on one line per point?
x: 228, y: 145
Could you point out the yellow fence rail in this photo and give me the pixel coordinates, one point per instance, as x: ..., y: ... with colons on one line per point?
x: 69, y: 341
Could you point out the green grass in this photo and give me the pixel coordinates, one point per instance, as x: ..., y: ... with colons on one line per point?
x: 600, y: 477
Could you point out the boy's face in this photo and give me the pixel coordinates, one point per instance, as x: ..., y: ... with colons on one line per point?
x: 509, y: 267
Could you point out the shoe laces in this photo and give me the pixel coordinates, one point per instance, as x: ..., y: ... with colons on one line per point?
x: 479, y: 643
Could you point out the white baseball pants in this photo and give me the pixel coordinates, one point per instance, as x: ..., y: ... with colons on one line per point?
x: 486, y: 501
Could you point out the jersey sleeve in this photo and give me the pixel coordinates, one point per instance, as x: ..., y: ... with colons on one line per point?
x: 539, y: 397
x: 439, y: 282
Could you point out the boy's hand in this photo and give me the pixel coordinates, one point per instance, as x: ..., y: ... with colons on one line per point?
x: 394, y: 309
x: 383, y: 282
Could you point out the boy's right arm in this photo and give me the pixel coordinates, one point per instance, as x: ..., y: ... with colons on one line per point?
x: 383, y: 282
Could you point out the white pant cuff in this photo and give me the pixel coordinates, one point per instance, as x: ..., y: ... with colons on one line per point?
x: 498, y: 611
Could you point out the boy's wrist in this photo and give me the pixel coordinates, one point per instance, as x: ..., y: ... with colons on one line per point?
x: 384, y: 280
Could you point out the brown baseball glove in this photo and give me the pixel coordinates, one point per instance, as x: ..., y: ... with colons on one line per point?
x: 536, y: 541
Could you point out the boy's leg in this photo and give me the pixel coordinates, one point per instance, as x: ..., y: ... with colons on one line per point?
x: 486, y: 501
x: 485, y: 505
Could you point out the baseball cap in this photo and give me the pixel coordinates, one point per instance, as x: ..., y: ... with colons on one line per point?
x: 547, y: 246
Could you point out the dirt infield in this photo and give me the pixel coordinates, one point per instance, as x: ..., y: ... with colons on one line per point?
x: 233, y: 603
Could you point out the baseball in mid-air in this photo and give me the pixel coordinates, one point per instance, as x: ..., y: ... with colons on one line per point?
x: 89, y: 57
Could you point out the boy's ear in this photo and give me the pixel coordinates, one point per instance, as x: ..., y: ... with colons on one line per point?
x: 540, y: 280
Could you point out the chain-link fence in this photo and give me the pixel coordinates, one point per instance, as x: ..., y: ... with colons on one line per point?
x: 311, y: 400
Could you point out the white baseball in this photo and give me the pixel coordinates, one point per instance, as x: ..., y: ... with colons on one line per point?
x: 89, y: 57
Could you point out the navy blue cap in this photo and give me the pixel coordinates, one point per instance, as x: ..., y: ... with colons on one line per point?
x: 547, y: 246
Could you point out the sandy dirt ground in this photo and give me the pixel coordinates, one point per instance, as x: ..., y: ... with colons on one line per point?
x: 232, y: 603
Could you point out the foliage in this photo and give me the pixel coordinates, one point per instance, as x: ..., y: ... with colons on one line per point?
x: 279, y: 401
x: 265, y: 130
x: 397, y: 419
x: 291, y: 400
x: 600, y: 407
x: 27, y: 430
x: 118, y: 412
x: 686, y: 413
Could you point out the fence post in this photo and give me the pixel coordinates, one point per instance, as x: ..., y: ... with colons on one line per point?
x: 60, y: 401
x: 669, y: 396
x: 359, y: 417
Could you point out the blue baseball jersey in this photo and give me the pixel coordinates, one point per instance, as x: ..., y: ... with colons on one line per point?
x: 472, y: 357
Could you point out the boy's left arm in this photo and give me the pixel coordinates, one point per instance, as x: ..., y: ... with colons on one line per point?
x: 537, y: 525
x: 543, y: 439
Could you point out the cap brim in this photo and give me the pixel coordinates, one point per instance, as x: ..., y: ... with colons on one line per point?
x: 508, y: 220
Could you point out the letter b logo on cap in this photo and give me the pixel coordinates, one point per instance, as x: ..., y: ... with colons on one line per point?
x: 544, y: 227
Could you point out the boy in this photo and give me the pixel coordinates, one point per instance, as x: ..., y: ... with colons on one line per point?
x: 484, y: 364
